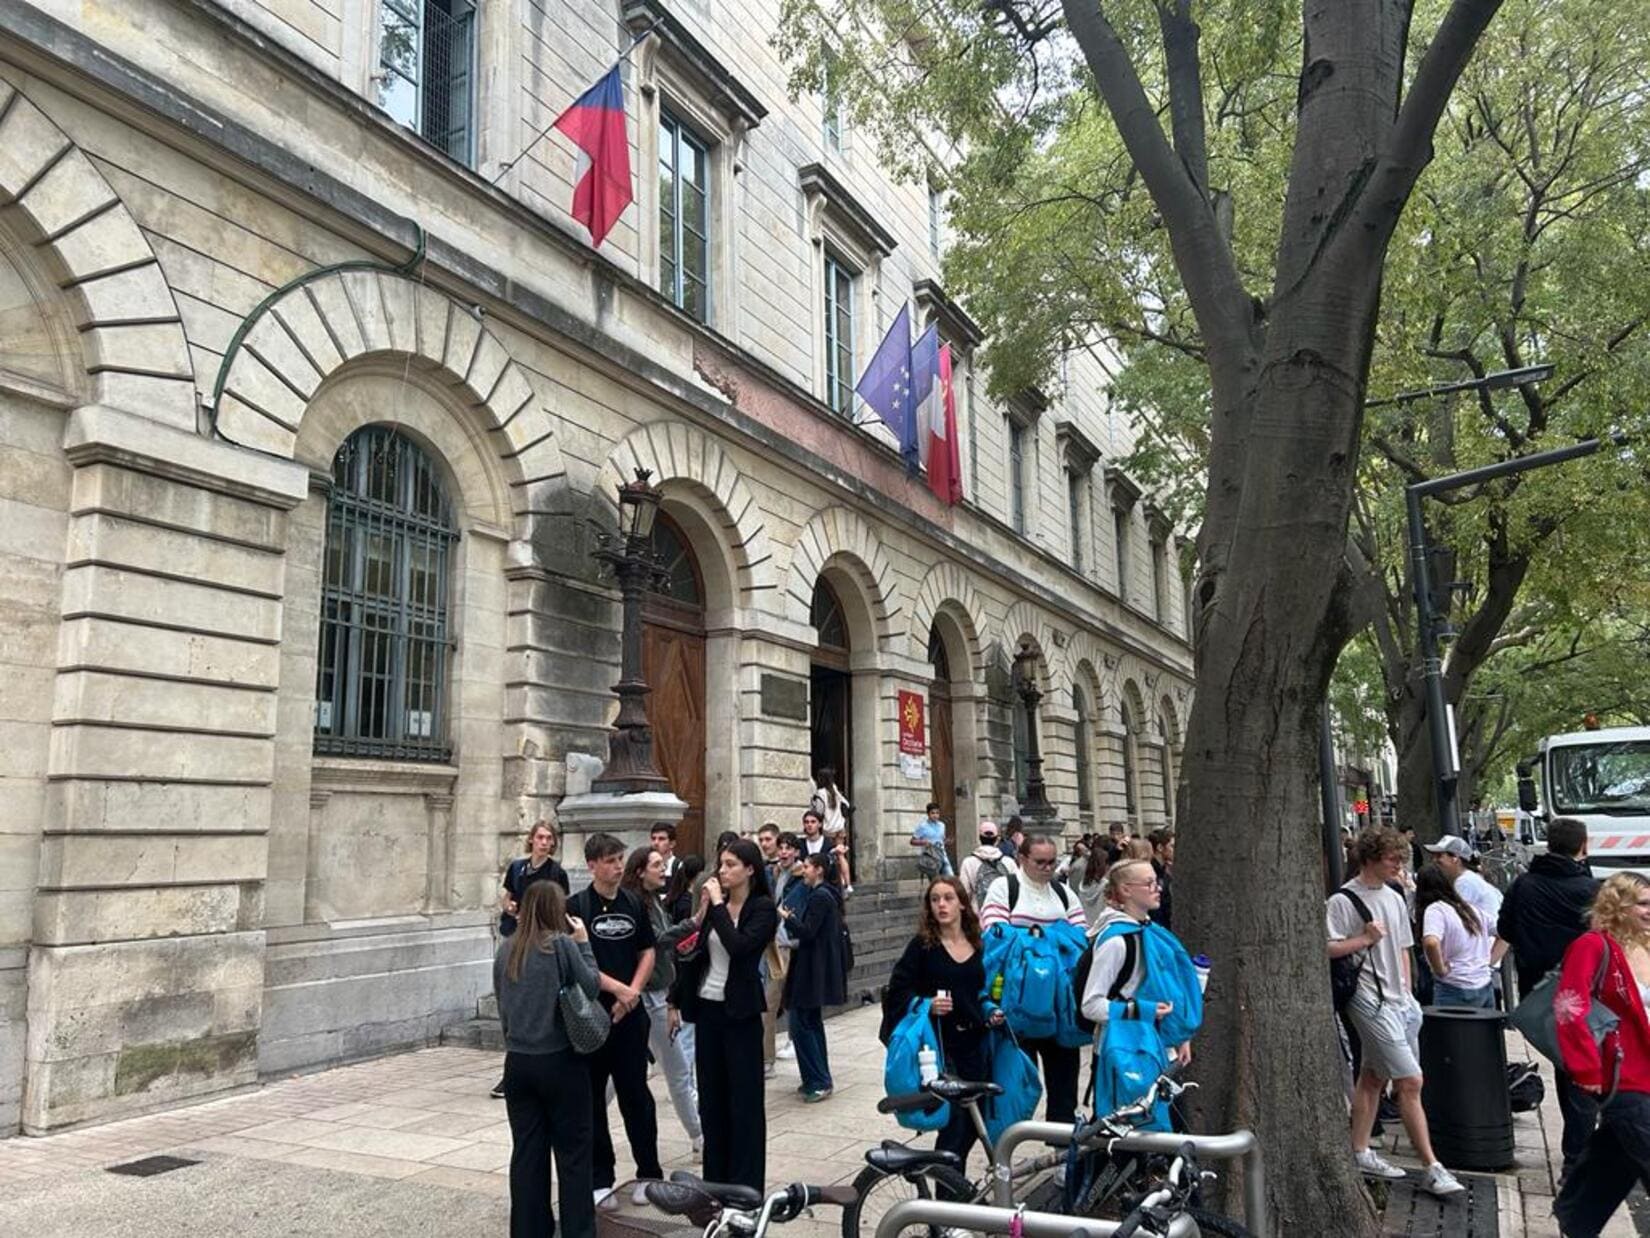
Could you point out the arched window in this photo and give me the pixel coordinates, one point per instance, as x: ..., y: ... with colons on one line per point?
x: 1021, y: 735
x: 381, y: 678
x: 1168, y: 775
x: 1131, y: 803
x: 1081, y: 706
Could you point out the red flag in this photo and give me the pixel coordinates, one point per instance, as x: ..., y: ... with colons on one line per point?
x: 601, y: 183
x: 944, y: 452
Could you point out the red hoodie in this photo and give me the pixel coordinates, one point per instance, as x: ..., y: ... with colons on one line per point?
x: 1629, y: 1043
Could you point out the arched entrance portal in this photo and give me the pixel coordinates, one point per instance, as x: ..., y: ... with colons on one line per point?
x: 942, y: 752
x: 673, y: 662
x: 830, y: 696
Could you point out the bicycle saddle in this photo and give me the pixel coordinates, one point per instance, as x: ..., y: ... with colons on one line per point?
x: 728, y: 1194
x: 963, y: 1090
x: 896, y: 1158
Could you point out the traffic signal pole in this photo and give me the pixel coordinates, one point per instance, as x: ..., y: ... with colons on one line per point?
x: 1445, y: 758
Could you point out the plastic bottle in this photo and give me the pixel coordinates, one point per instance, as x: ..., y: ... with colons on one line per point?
x: 1202, y: 964
x: 928, y: 1065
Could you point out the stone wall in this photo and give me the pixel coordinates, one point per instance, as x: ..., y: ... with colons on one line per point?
x: 189, y: 894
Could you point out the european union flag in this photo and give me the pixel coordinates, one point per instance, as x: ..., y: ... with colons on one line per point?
x: 886, y: 385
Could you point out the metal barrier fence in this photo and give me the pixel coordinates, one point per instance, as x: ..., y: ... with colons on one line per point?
x: 1240, y: 1145
x: 934, y: 1213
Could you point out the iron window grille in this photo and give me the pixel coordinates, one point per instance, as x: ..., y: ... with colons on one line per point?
x: 839, y: 335
x: 381, y: 679
x: 1081, y: 738
x: 426, y: 70
x: 684, y: 217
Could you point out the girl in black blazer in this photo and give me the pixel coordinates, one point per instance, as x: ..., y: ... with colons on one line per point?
x: 720, y: 992
x: 816, y: 978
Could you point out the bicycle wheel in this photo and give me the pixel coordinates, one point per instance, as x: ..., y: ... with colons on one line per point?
x: 876, y: 1193
x: 1214, y: 1223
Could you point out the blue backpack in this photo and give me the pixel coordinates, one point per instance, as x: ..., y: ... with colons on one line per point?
x: 901, y: 1071
x: 1127, y: 1062
x: 1133, y: 1052
x: 1013, y: 1070
x: 1035, y: 966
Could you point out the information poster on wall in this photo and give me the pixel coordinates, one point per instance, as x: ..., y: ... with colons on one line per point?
x: 913, y: 740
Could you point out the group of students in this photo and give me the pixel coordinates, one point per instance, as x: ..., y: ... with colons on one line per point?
x: 955, y: 961
x: 1556, y: 917
x: 691, y: 967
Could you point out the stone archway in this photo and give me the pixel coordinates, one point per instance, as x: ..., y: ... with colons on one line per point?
x: 135, y: 354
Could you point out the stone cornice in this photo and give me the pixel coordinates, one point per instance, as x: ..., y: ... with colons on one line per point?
x: 955, y: 324
x: 1125, y: 491
x: 709, y: 75
x: 1081, y: 452
x: 817, y: 182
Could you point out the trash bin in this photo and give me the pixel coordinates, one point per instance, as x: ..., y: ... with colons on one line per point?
x: 1464, y: 1059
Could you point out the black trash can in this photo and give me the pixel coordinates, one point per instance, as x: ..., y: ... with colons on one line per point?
x: 1464, y: 1059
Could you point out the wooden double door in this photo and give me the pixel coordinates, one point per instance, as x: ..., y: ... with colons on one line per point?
x: 673, y: 663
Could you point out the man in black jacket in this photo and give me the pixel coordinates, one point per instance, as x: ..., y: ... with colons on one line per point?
x: 1545, y: 911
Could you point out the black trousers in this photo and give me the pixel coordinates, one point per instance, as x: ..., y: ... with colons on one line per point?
x: 965, y: 1058
x: 1061, y: 1067
x: 1580, y: 1112
x: 546, y: 1097
x: 728, y: 1059
x: 1616, y: 1157
x: 623, y: 1058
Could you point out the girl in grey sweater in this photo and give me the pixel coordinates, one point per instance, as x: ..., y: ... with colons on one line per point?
x: 546, y: 1088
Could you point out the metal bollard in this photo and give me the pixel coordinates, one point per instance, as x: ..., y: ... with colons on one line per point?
x: 935, y: 1213
x: 1239, y: 1145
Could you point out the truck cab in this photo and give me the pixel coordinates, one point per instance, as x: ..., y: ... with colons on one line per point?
x: 1601, y: 778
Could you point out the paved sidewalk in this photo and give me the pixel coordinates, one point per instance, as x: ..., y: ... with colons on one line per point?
x: 413, y: 1144
x: 403, y: 1144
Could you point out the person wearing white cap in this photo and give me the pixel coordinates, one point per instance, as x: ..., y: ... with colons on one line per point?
x: 1453, y: 854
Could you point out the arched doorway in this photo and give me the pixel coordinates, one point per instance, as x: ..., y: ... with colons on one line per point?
x: 673, y: 663
x: 941, y: 751
x: 830, y: 695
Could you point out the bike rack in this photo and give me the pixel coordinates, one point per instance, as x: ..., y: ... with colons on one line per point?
x: 987, y: 1220
x: 1239, y: 1145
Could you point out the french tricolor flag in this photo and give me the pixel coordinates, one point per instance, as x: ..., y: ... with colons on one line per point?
x: 936, y: 416
x: 601, y: 183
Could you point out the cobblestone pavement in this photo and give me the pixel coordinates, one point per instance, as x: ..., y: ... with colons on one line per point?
x: 413, y: 1144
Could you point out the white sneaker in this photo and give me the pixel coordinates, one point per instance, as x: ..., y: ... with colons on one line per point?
x: 639, y: 1195
x: 601, y: 1193
x: 1441, y: 1182
x: 786, y: 1052
x: 1372, y: 1165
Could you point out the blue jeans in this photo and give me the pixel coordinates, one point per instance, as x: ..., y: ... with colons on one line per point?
x: 808, y: 1038
x: 1446, y: 994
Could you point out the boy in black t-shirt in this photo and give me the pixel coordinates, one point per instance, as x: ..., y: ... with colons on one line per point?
x: 621, y: 936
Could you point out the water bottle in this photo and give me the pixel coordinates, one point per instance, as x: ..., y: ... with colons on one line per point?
x: 928, y: 1065
x: 1201, y: 963
x: 997, y: 988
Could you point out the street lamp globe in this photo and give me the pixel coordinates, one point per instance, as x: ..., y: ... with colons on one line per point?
x: 638, y: 506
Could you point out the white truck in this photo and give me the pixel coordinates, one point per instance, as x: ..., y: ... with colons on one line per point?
x: 1602, y: 778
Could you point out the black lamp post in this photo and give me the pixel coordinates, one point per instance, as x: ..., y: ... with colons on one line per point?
x: 630, y: 766
x: 1036, y: 805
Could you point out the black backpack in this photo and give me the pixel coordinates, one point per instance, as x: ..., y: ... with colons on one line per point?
x: 1080, y: 980
x: 1344, y: 971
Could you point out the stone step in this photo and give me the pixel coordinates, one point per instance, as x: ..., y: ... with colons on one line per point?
x: 474, y: 1034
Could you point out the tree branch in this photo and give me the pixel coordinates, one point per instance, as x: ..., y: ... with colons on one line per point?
x: 1205, y: 261
x: 1180, y: 39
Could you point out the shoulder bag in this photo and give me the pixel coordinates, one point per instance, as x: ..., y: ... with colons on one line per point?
x: 582, y: 1016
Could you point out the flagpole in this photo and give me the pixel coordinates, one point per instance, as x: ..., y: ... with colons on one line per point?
x: 539, y: 136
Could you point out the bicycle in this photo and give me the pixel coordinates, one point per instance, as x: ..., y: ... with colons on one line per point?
x: 1154, y: 1214
x: 897, y: 1172
x: 686, y: 1206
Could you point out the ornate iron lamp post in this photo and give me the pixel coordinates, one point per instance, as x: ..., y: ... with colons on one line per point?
x: 630, y: 766
x: 1036, y: 805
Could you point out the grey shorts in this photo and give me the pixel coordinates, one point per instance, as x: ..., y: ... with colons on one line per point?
x: 1389, y: 1035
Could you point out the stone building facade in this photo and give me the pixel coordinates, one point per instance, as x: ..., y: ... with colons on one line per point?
x: 314, y: 402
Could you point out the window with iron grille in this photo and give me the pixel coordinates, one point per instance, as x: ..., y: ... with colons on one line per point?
x: 839, y: 335
x: 381, y: 680
x: 684, y: 217
x: 426, y: 55
x: 1131, y: 800
x: 1080, y: 705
